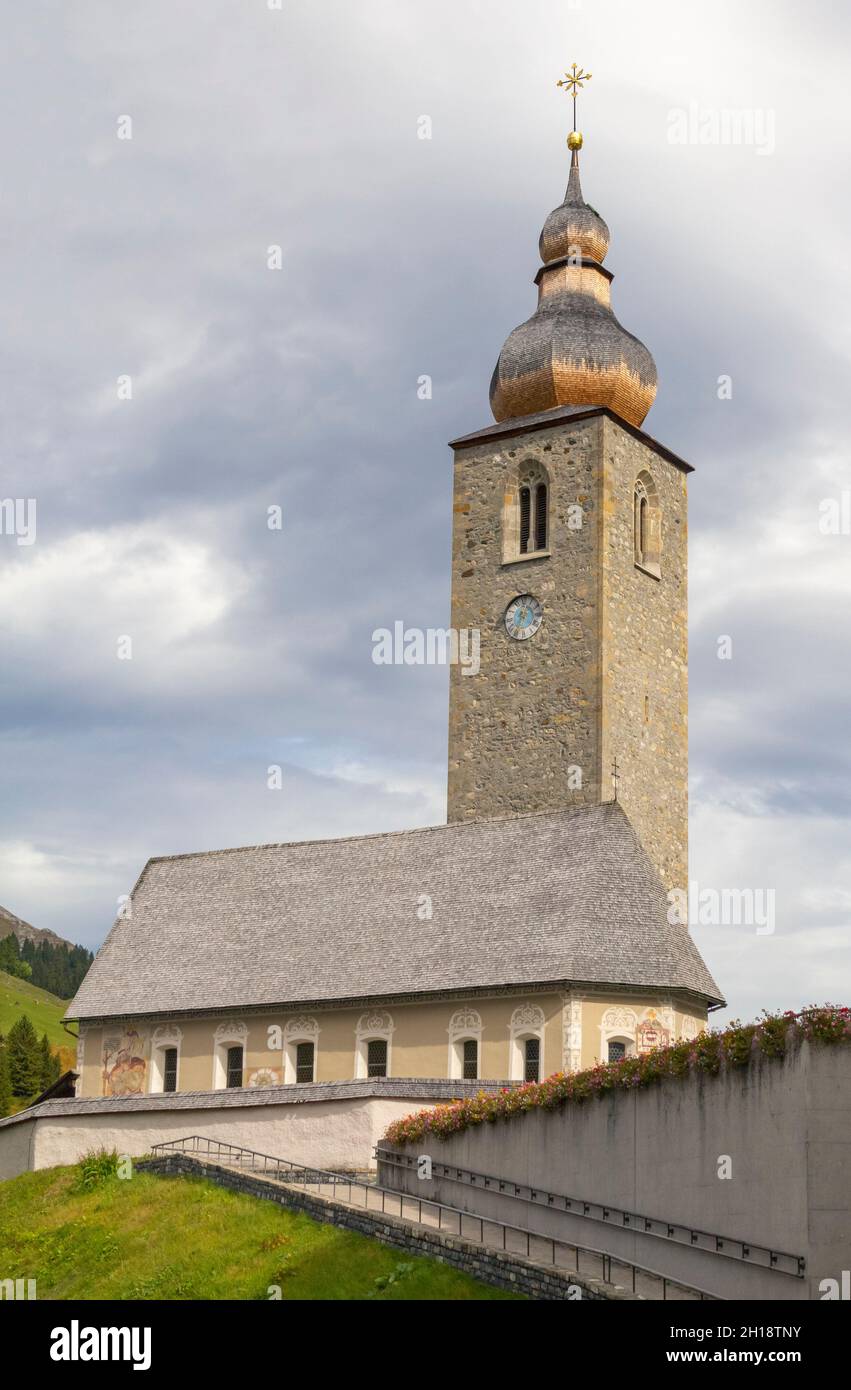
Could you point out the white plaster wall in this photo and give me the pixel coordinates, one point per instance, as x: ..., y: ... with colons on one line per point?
x: 330, y: 1134
x: 16, y: 1146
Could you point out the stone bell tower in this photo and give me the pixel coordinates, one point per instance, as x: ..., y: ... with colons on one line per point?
x: 569, y: 555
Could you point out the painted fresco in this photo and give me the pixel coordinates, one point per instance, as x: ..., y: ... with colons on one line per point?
x: 264, y: 1076
x: 651, y: 1032
x: 124, y: 1064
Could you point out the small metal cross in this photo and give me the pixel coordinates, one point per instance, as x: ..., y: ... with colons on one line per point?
x: 573, y: 82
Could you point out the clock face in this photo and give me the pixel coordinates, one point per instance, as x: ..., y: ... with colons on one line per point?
x: 523, y: 617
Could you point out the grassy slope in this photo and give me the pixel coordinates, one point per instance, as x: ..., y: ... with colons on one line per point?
x: 44, y: 1010
x: 183, y: 1238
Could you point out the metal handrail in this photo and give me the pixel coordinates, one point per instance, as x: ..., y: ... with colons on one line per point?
x: 284, y: 1170
x: 748, y: 1251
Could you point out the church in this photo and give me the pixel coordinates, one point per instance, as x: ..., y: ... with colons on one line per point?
x: 536, y: 931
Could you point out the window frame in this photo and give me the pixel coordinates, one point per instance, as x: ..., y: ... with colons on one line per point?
x: 229, y: 1034
x: 230, y: 1068
x: 527, y: 1021
x: 527, y: 513
x: 384, y: 1063
x: 302, y: 1066
x: 377, y: 1026
x: 302, y: 1029
x: 166, y: 1038
x: 532, y: 1041
x: 646, y: 525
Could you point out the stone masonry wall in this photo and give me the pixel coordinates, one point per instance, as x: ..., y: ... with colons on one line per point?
x: 607, y: 674
x: 533, y: 709
x: 645, y: 655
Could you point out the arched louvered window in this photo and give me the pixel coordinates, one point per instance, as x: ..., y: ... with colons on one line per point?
x: 647, y: 525
x: 526, y: 518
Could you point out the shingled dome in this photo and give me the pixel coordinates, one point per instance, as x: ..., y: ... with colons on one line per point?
x: 567, y: 897
x: 573, y: 351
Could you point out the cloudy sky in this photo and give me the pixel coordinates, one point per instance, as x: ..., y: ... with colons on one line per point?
x: 253, y: 388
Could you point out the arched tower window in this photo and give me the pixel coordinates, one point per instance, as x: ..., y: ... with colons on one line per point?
x: 647, y: 525
x: 526, y: 519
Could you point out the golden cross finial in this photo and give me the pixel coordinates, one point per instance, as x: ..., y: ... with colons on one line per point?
x: 573, y: 82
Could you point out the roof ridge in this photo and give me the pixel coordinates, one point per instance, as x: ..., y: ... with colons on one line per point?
x: 550, y: 813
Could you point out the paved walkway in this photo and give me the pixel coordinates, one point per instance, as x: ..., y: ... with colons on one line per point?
x: 541, y: 1250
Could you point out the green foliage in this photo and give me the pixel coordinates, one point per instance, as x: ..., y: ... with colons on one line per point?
x: 24, y: 1058
x: 738, y: 1045
x: 49, y: 1064
x: 58, y: 969
x: 18, y: 997
x: 386, y: 1281
x: 27, y: 1066
x: 184, y: 1238
x: 97, y: 1167
x: 10, y: 959
x: 5, y: 1081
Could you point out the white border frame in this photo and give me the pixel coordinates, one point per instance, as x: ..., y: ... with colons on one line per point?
x: 465, y: 1025
x: 305, y: 1028
x: 527, y: 1021
x: 230, y: 1034
x: 167, y: 1035
x: 373, y: 1027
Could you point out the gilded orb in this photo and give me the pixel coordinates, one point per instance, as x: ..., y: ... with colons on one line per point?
x: 574, y: 140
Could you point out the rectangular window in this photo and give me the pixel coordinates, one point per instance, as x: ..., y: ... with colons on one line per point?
x: 376, y: 1057
x: 170, y: 1069
x: 617, y: 1050
x: 471, y: 1059
x: 304, y: 1062
x: 234, y: 1067
x: 533, y: 1060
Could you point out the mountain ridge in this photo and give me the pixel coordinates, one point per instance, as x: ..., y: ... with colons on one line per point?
x: 11, y: 925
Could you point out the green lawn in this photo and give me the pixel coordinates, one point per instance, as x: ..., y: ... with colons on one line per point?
x: 44, y: 1010
x: 184, y: 1238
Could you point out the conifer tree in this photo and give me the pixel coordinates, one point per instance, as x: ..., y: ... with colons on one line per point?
x: 5, y: 1081
x: 49, y: 1063
x: 25, y: 1059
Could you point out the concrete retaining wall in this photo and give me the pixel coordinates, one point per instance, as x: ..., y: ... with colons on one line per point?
x: 329, y: 1125
x: 785, y: 1127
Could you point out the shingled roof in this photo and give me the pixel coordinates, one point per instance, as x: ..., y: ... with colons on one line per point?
x: 566, y: 897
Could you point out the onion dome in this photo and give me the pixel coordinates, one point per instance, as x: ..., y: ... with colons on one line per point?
x: 573, y: 351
